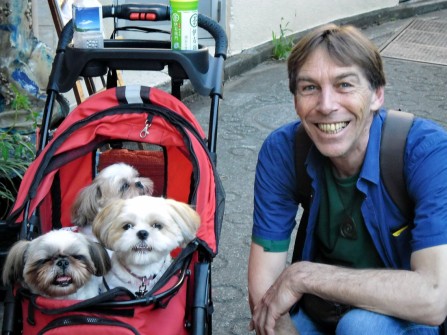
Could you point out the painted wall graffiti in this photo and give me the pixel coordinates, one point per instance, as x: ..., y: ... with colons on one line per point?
x: 25, y: 62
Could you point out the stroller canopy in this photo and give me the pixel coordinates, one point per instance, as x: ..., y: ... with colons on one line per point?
x: 133, y: 114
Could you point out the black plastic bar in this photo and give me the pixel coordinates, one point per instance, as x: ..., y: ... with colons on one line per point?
x: 137, y: 12
x: 46, y: 120
x: 9, y: 319
x: 217, y: 32
x: 201, y: 298
x: 213, y: 122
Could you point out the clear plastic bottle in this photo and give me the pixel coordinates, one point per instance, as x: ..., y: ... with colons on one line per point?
x: 88, y: 30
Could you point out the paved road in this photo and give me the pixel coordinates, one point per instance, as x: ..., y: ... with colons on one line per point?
x: 254, y: 104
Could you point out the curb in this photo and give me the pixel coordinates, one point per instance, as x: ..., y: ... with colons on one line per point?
x: 399, y: 12
x: 248, y: 59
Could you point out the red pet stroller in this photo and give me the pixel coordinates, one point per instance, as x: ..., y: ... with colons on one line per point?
x: 157, y: 134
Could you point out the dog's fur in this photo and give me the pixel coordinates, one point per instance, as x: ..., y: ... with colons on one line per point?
x: 117, y: 181
x: 59, y: 264
x: 142, y: 232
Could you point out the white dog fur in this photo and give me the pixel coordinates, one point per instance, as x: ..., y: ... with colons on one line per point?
x: 142, y: 232
x: 59, y: 264
x: 117, y: 181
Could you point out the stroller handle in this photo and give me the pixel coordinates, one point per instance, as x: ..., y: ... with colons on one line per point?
x: 139, y: 54
x: 204, y: 71
x: 138, y: 12
x: 157, y: 12
x: 154, y: 12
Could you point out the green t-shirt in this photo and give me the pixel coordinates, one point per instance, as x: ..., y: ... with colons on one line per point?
x: 271, y: 245
x: 341, y: 235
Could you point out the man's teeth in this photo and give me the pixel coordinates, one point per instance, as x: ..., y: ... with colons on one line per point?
x: 332, y: 128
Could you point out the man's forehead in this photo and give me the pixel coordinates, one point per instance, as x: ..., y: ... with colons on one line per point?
x: 337, y: 73
x: 321, y: 60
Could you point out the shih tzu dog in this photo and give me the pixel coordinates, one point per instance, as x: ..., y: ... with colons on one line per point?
x: 59, y: 264
x: 142, y: 232
x: 117, y: 181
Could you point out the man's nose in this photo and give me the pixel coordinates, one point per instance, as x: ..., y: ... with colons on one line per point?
x: 327, y: 100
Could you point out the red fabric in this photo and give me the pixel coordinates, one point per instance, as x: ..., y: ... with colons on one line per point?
x: 77, y: 173
x: 147, y: 320
x: 148, y: 163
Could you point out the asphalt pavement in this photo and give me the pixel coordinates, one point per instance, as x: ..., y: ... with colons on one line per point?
x: 257, y: 101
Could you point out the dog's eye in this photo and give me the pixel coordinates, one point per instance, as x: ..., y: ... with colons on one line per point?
x: 125, y: 186
x: 157, y: 225
x: 78, y: 257
x: 127, y: 226
x: 43, y: 261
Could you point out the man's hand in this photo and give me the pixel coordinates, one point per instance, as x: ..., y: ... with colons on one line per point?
x: 283, y: 326
x: 418, y: 295
x: 276, y: 302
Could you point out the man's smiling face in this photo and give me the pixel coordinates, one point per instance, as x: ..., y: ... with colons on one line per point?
x: 336, y: 105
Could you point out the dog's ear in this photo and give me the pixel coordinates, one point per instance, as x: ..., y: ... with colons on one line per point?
x: 101, y: 225
x: 86, y: 205
x: 186, y: 218
x: 100, y: 258
x: 15, y: 262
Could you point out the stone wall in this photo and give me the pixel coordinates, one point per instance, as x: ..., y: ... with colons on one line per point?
x: 25, y: 63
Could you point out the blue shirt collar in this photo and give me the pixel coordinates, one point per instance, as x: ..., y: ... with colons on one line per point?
x: 371, y: 164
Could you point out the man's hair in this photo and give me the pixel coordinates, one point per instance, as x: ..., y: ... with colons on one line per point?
x: 345, y: 45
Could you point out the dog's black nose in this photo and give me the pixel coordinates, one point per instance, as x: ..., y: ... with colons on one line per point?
x: 142, y: 234
x: 62, y: 263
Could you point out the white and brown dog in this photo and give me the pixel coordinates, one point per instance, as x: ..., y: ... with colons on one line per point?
x: 142, y: 232
x: 117, y: 181
x: 59, y: 264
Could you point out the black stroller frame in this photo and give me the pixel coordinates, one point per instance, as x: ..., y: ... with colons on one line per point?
x: 205, y: 73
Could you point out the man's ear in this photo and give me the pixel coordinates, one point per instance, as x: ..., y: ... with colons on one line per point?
x: 378, y: 98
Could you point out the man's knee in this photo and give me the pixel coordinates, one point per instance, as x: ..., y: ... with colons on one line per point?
x: 354, y: 322
x: 360, y: 321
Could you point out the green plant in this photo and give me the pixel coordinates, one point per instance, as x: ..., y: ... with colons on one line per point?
x: 282, y: 44
x: 21, y: 101
x: 16, y: 153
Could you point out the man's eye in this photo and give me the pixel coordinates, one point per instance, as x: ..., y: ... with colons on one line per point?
x: 307, y: 89
x: 345, y: 85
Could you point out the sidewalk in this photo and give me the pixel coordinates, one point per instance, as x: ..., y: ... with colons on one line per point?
x: 258, y: 101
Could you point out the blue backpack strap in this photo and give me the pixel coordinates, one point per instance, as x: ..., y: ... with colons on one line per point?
x: 394, y: 138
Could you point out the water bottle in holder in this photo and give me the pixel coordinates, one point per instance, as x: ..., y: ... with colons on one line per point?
x: 88, y: 31
x: 184, y: 27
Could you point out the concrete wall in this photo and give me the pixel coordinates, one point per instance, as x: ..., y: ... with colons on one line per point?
x: 251, y: 22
